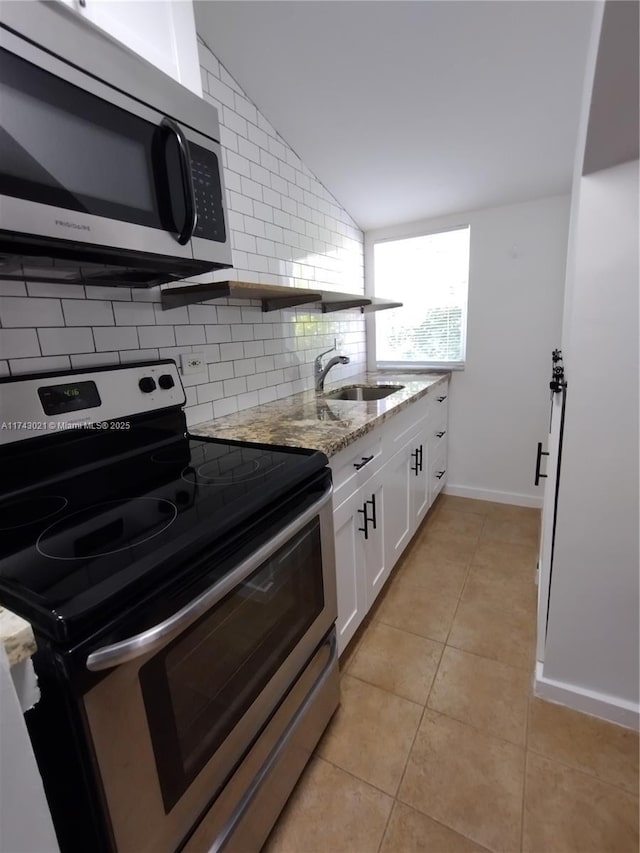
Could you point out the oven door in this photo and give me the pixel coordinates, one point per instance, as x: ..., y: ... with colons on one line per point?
x: 188, y: 698
x: 84, y: 162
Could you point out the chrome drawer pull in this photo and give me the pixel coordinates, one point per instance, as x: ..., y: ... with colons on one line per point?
x: 365, y: 461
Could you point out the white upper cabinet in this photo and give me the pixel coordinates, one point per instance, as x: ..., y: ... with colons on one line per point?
x: 161, y: 31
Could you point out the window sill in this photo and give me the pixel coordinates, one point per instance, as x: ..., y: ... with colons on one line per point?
x: 413, y: 367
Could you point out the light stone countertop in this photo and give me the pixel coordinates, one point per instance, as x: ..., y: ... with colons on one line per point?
x: 16, y: 636
x: 316, y: 422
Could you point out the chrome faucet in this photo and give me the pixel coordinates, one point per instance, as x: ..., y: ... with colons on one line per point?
x: 320, y: 372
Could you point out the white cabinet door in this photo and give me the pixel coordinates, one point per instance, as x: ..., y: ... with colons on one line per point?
x: 373, y: 511
x: 398, y: 522
x: 419, y: 477
x: 350, y: 568
x: 161, y: 31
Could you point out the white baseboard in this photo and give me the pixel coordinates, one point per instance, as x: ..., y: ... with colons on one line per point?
x: 496, y: 497
x: 602, y: 705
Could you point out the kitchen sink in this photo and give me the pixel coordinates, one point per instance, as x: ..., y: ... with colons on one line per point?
x: 363, y: 392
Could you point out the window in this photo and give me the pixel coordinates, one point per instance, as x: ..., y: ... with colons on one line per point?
x: 430, y: 276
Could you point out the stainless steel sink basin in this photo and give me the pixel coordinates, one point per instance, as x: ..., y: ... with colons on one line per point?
x: 363, y: 392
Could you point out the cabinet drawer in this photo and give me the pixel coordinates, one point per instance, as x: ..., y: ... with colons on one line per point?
x: 438, y: 435
x: 439, y: 405
x: 353, y: 466
x: 438, y: 475
x: 401, y: 428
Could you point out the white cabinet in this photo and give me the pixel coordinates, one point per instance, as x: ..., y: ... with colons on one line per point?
x: 350, y: 572
x: 384, y: 484
x: 161, y: 31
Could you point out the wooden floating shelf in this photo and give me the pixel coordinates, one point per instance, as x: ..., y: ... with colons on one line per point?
x: 379, y: 304
x: 333, y: 301
x: 272, y: 296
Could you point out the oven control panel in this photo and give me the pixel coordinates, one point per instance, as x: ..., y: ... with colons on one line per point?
x: 37, y: 404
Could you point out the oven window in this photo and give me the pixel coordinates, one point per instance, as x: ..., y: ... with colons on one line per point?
x: 200, y: 686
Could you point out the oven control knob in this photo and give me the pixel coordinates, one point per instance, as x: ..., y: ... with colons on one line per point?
x: 166, y: 381
x: 147, y: 384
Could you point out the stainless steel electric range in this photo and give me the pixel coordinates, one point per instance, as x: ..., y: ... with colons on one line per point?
x: 182, y: 594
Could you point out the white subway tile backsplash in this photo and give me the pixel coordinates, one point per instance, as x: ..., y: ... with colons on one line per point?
x: 198, y: 414
x: 45, y: 290
x: 64, y: 341
x: 113, y: 294
x: 127, y: 356
x: 238, y: 163
x: 93, y: 359
x: 14, y: 288
x: 134, y: 314
x: 209, y: 392
x: 38, y: 365
x: 156, y: 336
x: 224, y: 407
x: 245, y: 242
x: 217, y: 334
x: 234, y: 121
x: 244, y: 366
x: 170, y: 317
x: 251, y: 188
x: 258, y: 137
x: 235, y: 386
x: 246, y: 109
x: 86, y: 312
x: 228, y: 314
x: 249, y: 150
x: 190, y: 335
x: 220, y: 371
x: 116, y: 338
x: 228, y: 352
x: 267, y: 395
x: 23, y: 312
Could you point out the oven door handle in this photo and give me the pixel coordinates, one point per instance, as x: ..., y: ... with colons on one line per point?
x: 158, y: 636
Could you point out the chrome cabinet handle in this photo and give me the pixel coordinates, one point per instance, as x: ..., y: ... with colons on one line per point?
x: 440, y: 474
x: 365, y: 461
x: 163, y: 632
x: 441, y: 433
x: 191, y: 214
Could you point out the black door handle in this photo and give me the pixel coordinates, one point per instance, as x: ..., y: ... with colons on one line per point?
x: 191, y: 214
x: 441, y: 399
x: 441, y: 433
x: 365, y: 460
x: 415, y: 467
x: 365, y: 521
x: 420, y: 457
x: 539, y: 456
x: 373, y: 511
x: 440, y: 474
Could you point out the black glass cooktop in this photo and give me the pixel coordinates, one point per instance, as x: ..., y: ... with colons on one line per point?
x: 80, y: 540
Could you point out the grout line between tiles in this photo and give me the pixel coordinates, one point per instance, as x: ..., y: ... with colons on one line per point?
x: 581, y: 770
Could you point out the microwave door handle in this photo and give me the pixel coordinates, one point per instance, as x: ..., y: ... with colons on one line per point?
x: 191, y: 214
x: 158, y: 636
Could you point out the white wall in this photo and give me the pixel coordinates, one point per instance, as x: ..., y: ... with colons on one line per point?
x: 499, y: 407
x: 593, y: 630
x: 286, y: 228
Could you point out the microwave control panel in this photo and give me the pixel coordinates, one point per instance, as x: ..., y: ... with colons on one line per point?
x: 208, y: 193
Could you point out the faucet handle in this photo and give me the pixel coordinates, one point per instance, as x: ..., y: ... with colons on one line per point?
x: 318, y: 358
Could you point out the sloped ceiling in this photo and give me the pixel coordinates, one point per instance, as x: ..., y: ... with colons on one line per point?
x: 410, y: 110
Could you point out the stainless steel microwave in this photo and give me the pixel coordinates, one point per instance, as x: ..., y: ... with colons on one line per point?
x: 110, y: 171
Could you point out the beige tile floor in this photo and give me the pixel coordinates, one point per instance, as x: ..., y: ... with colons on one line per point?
x: 438, y: 744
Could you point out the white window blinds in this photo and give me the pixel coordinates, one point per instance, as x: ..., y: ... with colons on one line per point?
x: 430, y: 276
